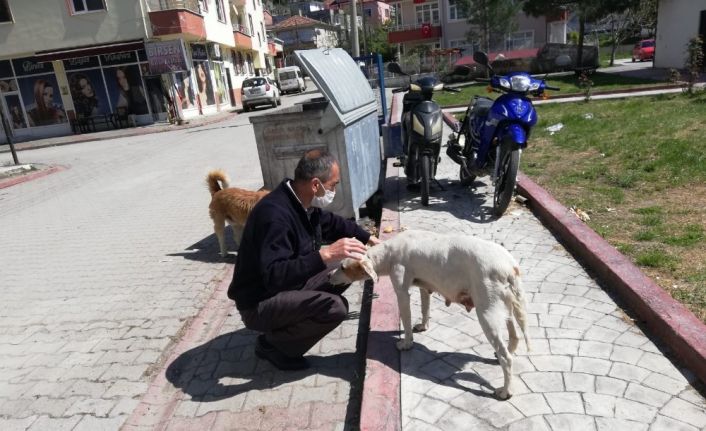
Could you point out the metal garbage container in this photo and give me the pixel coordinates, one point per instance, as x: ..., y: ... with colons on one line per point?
x: 344, y: 121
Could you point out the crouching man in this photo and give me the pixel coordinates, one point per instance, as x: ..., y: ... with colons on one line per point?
x: 278, y: 286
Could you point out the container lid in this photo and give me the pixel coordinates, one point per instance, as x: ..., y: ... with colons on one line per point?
x: 340, y: 80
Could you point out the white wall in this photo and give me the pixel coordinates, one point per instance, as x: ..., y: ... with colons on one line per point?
x: 47, y: 24
x: 677, y: 22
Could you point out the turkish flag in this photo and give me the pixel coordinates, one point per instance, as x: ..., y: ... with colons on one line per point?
x: 426, y: 30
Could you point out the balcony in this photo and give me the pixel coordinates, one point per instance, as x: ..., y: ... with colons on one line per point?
x: 414, y: 32
x: 183, y: 17
x: 242, y: 36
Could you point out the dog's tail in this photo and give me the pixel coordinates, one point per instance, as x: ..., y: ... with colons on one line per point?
x: 213, y: 179
x: 519, y: 303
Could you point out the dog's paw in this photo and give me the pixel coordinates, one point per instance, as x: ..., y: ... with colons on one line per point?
x: 404, y: 345
x: 503, y: 393
x: 420, y: 327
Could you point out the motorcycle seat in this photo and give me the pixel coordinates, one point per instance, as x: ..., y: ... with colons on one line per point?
x: 480, y: 106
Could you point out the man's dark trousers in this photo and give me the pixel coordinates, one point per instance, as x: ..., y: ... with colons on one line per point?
x: 294, y: 320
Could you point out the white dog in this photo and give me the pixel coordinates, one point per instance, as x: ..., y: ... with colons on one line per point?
x: 462, y: 269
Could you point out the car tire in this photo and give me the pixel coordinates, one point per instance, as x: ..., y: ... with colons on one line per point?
x: 633, y: 59
x: 246, y: 108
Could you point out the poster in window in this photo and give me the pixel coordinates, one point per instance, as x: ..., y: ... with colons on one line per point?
x: 14, y: 108
x: 125, y: 89
x: 88, y: 93
x: 185, y: 90
x: 42, y: 100
x: 204, y: 88
x: 8, y: 85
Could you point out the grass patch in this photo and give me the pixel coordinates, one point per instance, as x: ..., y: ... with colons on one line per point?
x: 568, y: 84
x: 638, y: 167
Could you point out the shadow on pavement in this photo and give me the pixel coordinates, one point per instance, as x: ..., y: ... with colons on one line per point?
x: 226, y: 366
x: 206, y: 250
x: 418, y: 368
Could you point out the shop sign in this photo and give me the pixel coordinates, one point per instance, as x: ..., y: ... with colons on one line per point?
x: 118, y: 58
x: 30, y: 66
x: 166, y: 56
x: 198, y: 52
x: 81, y: 63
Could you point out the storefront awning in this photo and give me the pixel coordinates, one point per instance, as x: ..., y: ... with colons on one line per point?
x: 85, y: 51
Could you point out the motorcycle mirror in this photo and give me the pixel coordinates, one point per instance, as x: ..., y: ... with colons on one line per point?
x: 395, y: 68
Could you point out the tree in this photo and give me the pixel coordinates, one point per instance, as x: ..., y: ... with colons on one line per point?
x: 376, y: 41
x: 630, y: 22
x: 490, y: 20
x: 587, y: 10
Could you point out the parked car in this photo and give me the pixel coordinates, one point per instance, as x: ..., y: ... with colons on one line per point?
x: 260, y: 90
x: 644, y: 50
x: 290, y: 79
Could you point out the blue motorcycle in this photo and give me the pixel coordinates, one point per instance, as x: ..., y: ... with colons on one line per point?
x: 496, y: 132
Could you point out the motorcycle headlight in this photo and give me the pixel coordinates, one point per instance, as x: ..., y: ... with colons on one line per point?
x: 417, y: 125
x: 439, y: 86
x: 415, y: 87
x: 520, y: 83
x: 505, y: 83
x: 437, y: 126
x: 534, y: 86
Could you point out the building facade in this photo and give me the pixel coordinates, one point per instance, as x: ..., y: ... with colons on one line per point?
x: 64, y: 60
x: 301, y: 32
x: 677, y: 22
x: 429, y: 25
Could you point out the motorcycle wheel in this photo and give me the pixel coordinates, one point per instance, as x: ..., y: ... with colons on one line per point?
x: 426, y: 178
x: 466, y: 180
x: 507, y: 178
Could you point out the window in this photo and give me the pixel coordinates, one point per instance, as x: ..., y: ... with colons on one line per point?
x: 252, y: 27
x: 427, y: 13
x: 368, y: 12
x: 5, y: 14
x: 455, y: 11
x: 520, y: 40
x: 82, y: 6
x: 396, y: 14
x: 220, y: 11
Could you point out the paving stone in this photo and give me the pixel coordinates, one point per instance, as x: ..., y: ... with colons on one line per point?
x: 551, y: 363
x: 626, y: 354
x: 628, y: 372
x: 535, y: 423
x: 44, y: 423
x: 634, y: 411
x: 90, y: 423
x: 610, y: 386
x: 429, y: 410
x: 531, y: 404
x: 599, y: 367
x: 685, y: 412
x: 663, y: 423
x: 580, y: 382
x: 17, y: 424
x: 595, y: 349
x: 645, y: 395
x: 455, y: 419
x: 609, y: 424
x: 565, y: 402
x: 573, y: 422
x: 599, y: 405
x: 544, y: 382
x: 564, y: 346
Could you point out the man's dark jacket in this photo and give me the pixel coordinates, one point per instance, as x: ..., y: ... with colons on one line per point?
x: 280, y: 247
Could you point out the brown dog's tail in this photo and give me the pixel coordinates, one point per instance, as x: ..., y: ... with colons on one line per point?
x: 519, y: 303
x: 213, y: 179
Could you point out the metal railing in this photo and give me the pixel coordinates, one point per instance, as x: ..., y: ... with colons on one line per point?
x: 241, y: 29
x: 190, y: 5
x: 403, y: 27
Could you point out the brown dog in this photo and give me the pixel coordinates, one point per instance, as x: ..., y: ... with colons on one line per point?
x: 231, y: 205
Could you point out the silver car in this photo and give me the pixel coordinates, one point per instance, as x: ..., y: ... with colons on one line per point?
x: 260, y: 90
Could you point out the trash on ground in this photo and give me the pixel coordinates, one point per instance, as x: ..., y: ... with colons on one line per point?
x: 580, y: 214
x: 588, y: 116
x: 554, y: 128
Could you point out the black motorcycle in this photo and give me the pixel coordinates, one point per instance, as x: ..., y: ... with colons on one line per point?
x: 422, y: 127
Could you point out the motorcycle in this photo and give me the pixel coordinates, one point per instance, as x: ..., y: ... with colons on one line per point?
x: 422, y: 126
x: 496, y: 131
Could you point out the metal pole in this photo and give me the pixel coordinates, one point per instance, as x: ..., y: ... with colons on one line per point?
x: 381, y: 80
x: 8, y: 134
x: 362, y: 27
x: 355, y: 47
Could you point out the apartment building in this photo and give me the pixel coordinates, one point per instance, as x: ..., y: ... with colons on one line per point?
x: 64, y: 60
x: 442, y: 25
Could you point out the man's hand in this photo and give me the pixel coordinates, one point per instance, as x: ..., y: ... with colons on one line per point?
x: 341, y: 249
x: 373, y: 240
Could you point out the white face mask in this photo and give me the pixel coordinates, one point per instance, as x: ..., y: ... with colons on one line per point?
x: 325, y: 200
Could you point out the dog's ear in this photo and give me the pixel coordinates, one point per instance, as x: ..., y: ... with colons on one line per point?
x: 367, y: 265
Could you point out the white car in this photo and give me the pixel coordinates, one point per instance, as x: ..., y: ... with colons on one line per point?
x: 260, y: 90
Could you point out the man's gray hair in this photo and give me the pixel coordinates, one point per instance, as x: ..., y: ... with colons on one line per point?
x: 315, y: 164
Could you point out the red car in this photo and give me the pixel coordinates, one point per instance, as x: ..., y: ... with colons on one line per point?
x: 644, y: 50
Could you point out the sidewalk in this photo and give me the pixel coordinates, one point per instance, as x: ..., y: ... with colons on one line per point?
x: 120, y: 133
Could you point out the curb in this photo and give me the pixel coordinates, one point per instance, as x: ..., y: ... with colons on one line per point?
x: 31, y: 176
x: 89, y: 137
x: 381, y: 401
x: 671, y: 321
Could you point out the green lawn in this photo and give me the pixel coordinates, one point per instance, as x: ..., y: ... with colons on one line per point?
x: 567, y: 83
x: 637, y: 166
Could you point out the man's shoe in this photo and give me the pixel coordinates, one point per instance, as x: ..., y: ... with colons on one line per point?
x: 265, y: 350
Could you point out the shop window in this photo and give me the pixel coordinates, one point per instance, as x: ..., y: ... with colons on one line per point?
x: 5, y: 13
x: 83, y: 6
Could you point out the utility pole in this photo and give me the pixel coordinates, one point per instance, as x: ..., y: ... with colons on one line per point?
x: 8, y: 134
x: 362, y: 18
x: 355, y: 47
